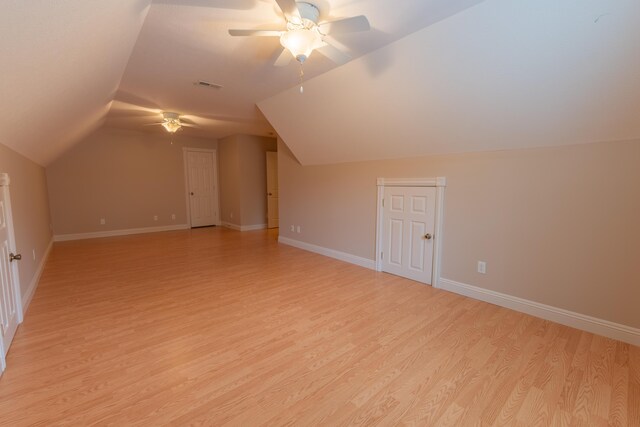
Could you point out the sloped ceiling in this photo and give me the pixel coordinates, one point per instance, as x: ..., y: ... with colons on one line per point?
x: 503, y: 74
x: 70, y: 66
x: 432, y: 76
x: 183, y: 41
x: 61, y: 64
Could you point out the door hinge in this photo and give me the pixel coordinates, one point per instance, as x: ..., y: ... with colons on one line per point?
x: 383, y: 203
x: 381, y: 255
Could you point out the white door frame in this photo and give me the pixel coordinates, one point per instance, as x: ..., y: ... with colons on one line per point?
x: 185, y: 151
x: 267, y: 154
x: 440, y: 183
x: 4, y: 183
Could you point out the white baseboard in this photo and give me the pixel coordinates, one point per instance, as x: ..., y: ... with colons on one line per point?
x: 231, y: 226
x: 31, y: 290
x: 342, y: 256
x: 112, y: 233
x: 253, y: 227
x: 244, y: 227
x: 554, y: 314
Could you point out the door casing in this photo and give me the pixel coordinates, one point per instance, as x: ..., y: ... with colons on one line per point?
x: 272, y: 199
x: 440, y: 184
x: 13, y: 266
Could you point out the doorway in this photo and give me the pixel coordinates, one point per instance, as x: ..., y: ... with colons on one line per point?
x: 272, y: 190
x: 409, y: 228
x: 201, y: 180
x: 10, y: 299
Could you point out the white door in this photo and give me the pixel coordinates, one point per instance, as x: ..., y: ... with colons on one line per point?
x: 408, y: 228
x: 9, y: 292
x: 272, y: 189
x: 202, y: 187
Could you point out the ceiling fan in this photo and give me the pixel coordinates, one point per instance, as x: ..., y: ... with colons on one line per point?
x: 133, y: 114
x: 172, y: 122
x: 304, y: 33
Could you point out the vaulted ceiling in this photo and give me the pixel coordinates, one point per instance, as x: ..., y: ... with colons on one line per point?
x: 501, y: 75
x: 70, y: 66
x: 432, y: 76
x: 60, y: 66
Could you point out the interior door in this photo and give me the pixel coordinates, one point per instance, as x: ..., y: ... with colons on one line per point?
x: 408, y: 227
x: 203, y: 191
x: 9, y: 298
x: 272, y: 189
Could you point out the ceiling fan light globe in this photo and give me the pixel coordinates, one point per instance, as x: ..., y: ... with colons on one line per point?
x: 300, y: 42
x: 172, y: 126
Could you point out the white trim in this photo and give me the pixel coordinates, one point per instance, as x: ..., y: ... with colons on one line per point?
x: 112, y: 233
x: 253, y: 227
x: 31, y: 290
x: 439, y: 183
x: 332, y: 253
x: 565, y: 317
x: 216, y: 180
x: 15, y: 270
x: 438, y: 236
x: 244, y: 227
x: 13, y: 266
x: 231, y: 225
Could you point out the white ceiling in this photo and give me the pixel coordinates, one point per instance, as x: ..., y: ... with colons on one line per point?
x: 432, y: 76
x: 503, y: 74
x: 60, y: 66
x: 64, y: 61
x: 183, y: 41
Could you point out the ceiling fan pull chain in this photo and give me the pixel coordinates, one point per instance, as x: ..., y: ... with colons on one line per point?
x: 301, y: 77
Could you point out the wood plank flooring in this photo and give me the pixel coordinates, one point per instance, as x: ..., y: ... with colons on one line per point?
x: 217, y: 327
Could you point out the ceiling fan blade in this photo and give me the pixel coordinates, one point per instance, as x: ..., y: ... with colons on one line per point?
x: 188, y: 125
x: 261, y: 33
x: 289, y: 8
x: 334, y: 54
x: 346, y: 25
x: 283, y: 59
x: 217, y: 4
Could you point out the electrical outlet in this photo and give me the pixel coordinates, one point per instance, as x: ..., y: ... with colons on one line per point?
x: 34, y: 254
x: 293, y: 228
x: 298, y: 229
x: 173, y: 216
x: 102, y: 221
x: 155, y: 217
x: 482, y: 267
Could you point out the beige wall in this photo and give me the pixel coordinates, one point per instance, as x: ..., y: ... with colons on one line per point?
x: 124, y: 176
x: 559, y: 226
x: 230, y: 187
x: 243, y: 182
x: 30, y: 209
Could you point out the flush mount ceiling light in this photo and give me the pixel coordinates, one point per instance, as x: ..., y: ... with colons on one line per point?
x: 171, y: 122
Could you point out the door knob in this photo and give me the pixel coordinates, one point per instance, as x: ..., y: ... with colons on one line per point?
x: 17, y: 257
x: 269, y: 194
x: 428, y: 236
x: 192, y: 193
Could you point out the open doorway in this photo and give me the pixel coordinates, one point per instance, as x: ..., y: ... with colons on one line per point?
x: 272, y: 189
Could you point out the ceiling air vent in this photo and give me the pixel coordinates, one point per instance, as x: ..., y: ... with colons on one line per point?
x: 202, y: 83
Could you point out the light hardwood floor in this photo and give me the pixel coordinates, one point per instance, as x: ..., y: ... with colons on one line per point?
x: 213, y: 327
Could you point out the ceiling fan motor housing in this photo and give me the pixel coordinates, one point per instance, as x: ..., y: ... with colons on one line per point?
x: 308, y: 12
